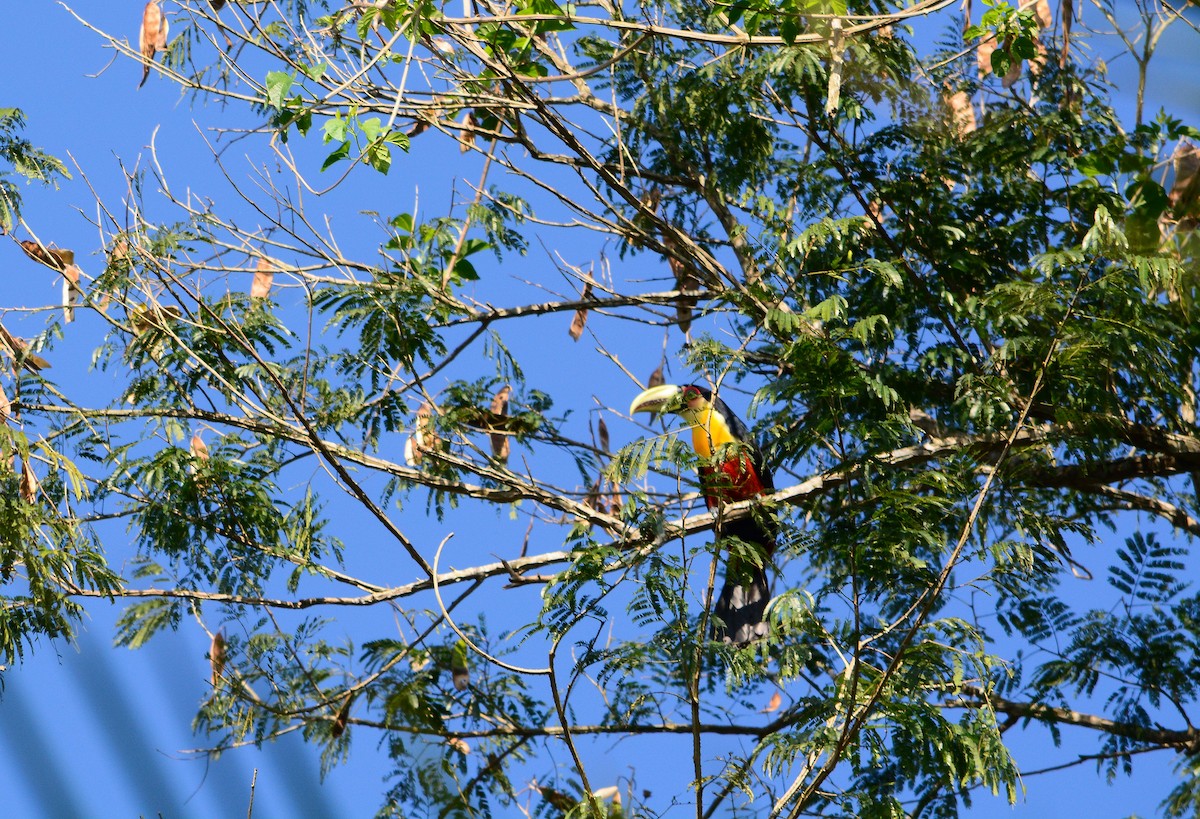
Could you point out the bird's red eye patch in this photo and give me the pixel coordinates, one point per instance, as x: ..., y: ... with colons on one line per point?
x: 690, y: 393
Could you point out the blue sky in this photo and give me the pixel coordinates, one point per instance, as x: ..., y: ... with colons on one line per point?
x: 89, y: 730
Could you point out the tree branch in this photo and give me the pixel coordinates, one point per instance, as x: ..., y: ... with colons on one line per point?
x: 1187, y: 740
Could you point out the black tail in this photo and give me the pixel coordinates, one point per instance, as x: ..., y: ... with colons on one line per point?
x: 742, y: 606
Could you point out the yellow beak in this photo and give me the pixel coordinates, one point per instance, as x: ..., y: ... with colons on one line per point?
x: 660, y: 399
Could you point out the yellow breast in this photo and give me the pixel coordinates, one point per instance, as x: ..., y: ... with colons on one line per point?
x: 709, y: 431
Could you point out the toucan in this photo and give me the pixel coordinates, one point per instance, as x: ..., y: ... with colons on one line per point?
x: 731, y: 470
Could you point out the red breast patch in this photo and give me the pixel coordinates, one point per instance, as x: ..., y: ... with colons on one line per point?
x: 735, y: 480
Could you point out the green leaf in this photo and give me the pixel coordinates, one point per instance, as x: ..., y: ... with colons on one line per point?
x: 788, y: 30
x: 279, y: 83
x: 828, y: 309
x: 1148, y: 198
x: 334, y: 129
x: 379, y: 156
x: 315, y: 72
x: 735, y: 10
x: 1001, y: 62
x: 472, y: 246
x: 371, y: 128
x: 398, y: 138
x: 141, y: 621
x: 337, y: 155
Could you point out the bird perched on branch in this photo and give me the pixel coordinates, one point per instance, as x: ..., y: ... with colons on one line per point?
x: 731, y: 470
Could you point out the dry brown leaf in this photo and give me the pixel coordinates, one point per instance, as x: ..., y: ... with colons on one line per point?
x: 119, y: 261
x: 152, y: 37
x: 614, y: 503
x: 602, y: 433
x: 500, y: 400
x: 685, y: 276
x: 579, y: 320
x: 656, y: 378
x: 1184, y: 195
x: 55, y: 258
x: 962, y: 112
x: 29, y: 483
x: 18, y: 348
x: 651, y: 199
x: 426, y: 117
x: 5, y: 408
x: 1185, y: 161
x: 119, y: 257
x: 1068, y: 15
x: 680, y: 270
x: 983, y: 55
x: 467, y: 138
x: 592, y: 499
x: 217, y: 4
x: 557, y: 799
x: 500, y: 445
x: 63, y: 261
x: 683, y: 313
x: 1045, y: 19
x: 1014, y: 73
x: 643, y: 223
x: 198, y: 448
x: 984, y: 51
x: 773, y: 705
x: 343, y: 717
x: 424, y: 437
x: 605, y: 502
x: 875, y: 211
x: 152, y: 316
x: 217, y: 657
x: 264, y: 275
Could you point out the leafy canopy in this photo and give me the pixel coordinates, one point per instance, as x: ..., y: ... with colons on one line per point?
x: 952, y: 287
